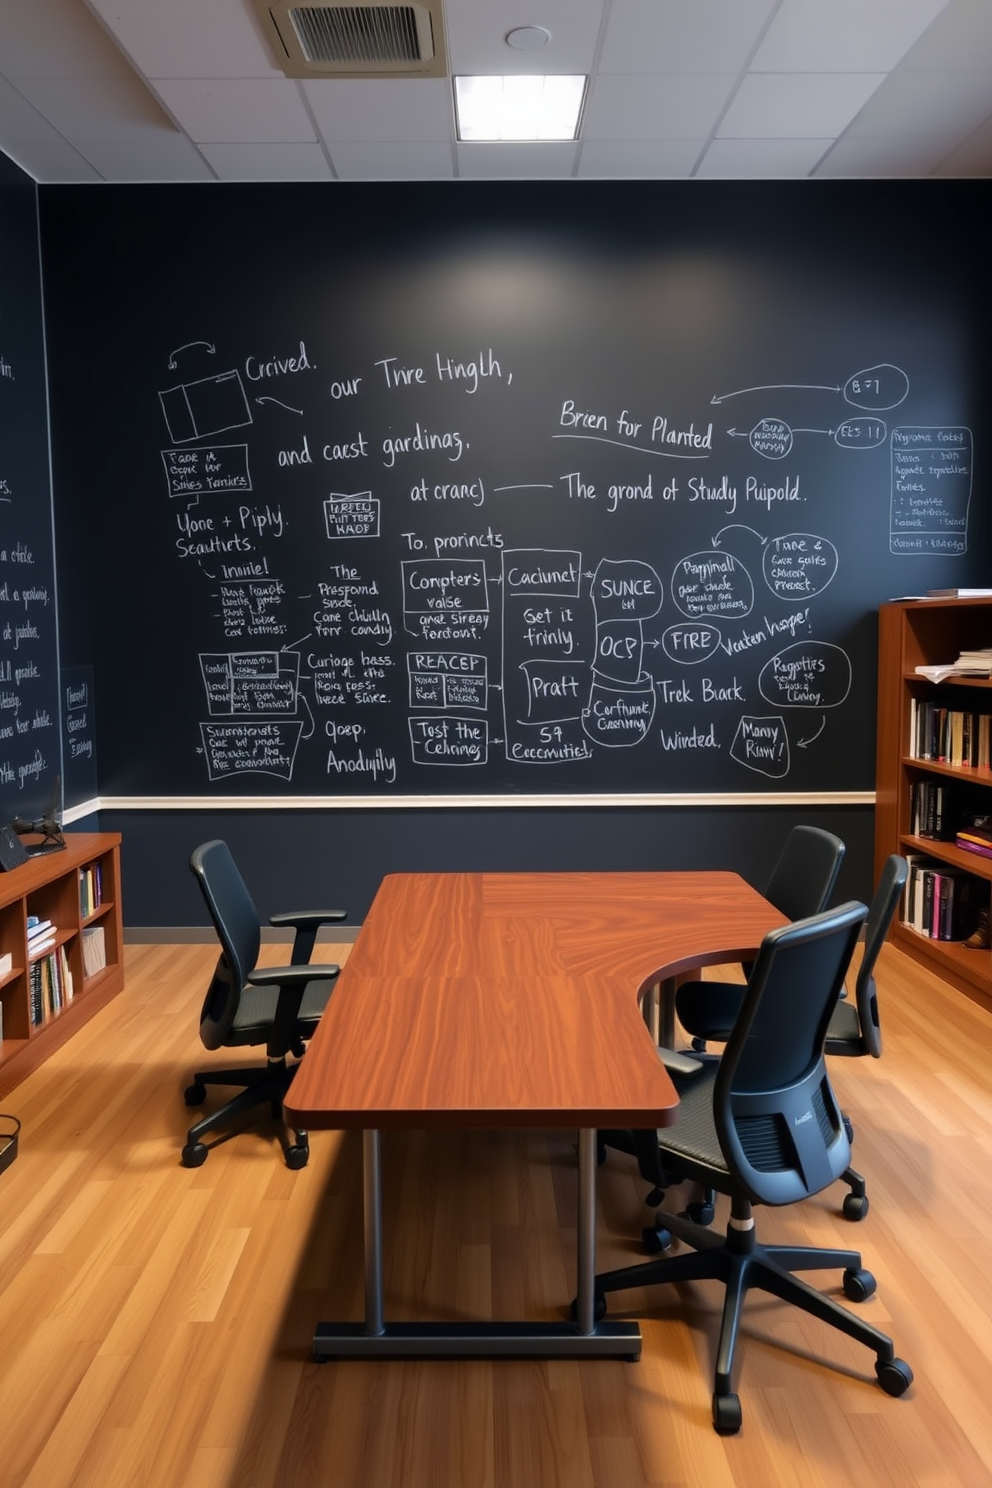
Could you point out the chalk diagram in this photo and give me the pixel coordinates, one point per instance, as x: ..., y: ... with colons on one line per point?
x: 257, y: 692
x: 931, y: 467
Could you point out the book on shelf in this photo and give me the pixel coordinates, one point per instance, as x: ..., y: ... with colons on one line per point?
x: 942, y: 902
x: 6, y: 963
x: 949, y: 736
x: 37, y: 927
x: 959, y: 594
x: 94, y: 950
x: 51, y: 986
x: 90, y: 889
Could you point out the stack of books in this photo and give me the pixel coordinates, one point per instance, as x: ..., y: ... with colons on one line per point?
x: 976, y: 663
x: 976, y: 837
x: 941, y: 902
x: 41, y: 936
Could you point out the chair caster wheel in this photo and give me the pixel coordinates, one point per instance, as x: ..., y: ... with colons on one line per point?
x: 726, y: 1414
x: 656, y: 1240
x: 859, y: 1285
x: 700, y: 1212
x: 894, y: 1375
x: 194, y: 1155
x: 298, y: 1152
x: 855, y: 1206
x: 598, y: 1308
x: 195, y: 1094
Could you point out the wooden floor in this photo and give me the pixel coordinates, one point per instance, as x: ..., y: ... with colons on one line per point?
x: 155, y: 1322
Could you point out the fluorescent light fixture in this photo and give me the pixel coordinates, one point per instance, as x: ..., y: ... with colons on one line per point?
x: 519, y: 108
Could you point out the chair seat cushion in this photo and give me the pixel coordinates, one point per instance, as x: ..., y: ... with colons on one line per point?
x: 257, y: 1008
x: 844, y: 1026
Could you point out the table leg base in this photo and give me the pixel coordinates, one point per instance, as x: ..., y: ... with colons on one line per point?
x: 608, y: 1340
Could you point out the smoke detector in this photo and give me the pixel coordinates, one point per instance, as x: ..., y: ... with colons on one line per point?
x: 377, y: 39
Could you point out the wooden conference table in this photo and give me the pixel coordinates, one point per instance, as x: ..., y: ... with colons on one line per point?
x: 509, y: 1000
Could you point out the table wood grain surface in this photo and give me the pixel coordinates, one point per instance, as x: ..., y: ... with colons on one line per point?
x: 512, y: 999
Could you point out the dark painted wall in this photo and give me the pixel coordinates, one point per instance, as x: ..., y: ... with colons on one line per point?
x: 792, y: 283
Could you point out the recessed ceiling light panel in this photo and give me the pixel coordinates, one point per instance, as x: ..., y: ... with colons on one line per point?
x: 519, y: 108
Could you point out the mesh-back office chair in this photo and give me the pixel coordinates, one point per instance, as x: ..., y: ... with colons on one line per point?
x: 278, y: 1006
x: 855, y: 1029
x: 800, y: 885
x: 762, y: 1126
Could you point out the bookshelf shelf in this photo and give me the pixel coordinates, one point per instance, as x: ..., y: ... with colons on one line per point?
x: 49, y: 887
x: 911, y: 634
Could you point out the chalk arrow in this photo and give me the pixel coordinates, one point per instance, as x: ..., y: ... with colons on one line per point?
x: 803, y: 742
x: 280, y: 405
x: 212, y: 351
x: 775, y: 387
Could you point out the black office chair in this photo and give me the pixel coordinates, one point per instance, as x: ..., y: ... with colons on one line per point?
x: 279, y: 1006
x: 762, y: 1125
x: 855, y: 1030
x: 801, y: 884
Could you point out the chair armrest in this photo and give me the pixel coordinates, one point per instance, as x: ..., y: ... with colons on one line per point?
x: 291, y: 976
x: 292, y: 982
x: 306, y: 923
x: 300, y: 917
x: 679, y: 1064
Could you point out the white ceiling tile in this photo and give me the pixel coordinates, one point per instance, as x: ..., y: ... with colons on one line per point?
x: 120, y: 108
x: 806, y: 106
x: 382, y: 108
x: 921, y: 103
x: 292, y: 162
x: 56, y: 163
x: 761, y: 159
x: 649, y: 160
x: 682, y: 35
x: 170, y: 157
x: 394, y: 162
x: 189, y: 38
x: 880, y: 157
x: 676, y: 106
x: 56, y: 38
x: 959, y: 39
x: 844, y: 36
x: 21, y: 123
x: 225, y: 110
x: 972, y: 158
x: 516, y: 162
x: 476, y: 31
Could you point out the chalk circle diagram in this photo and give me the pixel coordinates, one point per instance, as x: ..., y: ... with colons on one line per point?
x: 690, y: 644
x: 877, y: 388
x: 771, y: 437
x: 798, y: 565
x: 809, y: 674
x: 762, y: 744
x: 620, y: 710
x: 712, y: 584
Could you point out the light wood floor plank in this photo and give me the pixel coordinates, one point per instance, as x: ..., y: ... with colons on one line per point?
x: 156, y: 1321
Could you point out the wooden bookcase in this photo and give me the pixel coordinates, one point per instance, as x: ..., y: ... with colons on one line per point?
x: 49, y: 887
x: 910, y: 634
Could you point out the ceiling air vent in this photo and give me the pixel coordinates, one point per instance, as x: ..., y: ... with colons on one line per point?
x: 371, y: 40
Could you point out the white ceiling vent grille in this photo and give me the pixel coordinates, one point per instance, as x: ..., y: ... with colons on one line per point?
x: 376, y: 39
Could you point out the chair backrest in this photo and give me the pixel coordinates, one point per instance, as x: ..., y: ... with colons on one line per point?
x: 882, y: 908
x: 238, y: 927
x: 804, y: 876
x: 776, y: 1116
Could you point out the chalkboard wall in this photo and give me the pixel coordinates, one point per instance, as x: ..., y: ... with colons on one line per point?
x: 420, y: 491
x: 30, y: 741
x: 433, y: 492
